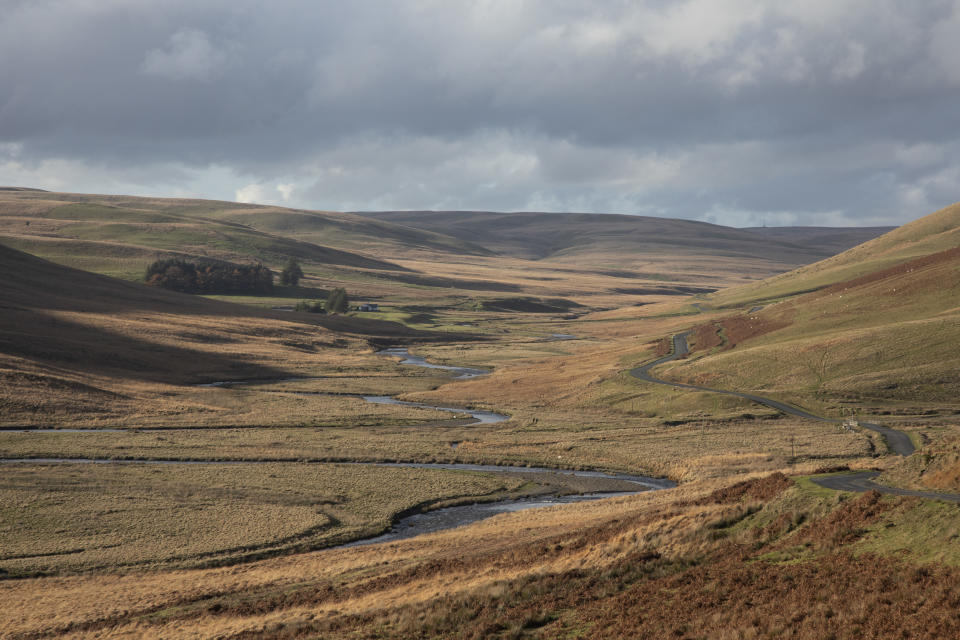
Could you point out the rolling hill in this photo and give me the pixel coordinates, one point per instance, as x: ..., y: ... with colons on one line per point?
x: 831, y: 239
x: 73, y: 341
x: 459, y: 259
x: 566, y: 236
x: 877, y: 326
x: 62, y: 225
x: 932, y: 233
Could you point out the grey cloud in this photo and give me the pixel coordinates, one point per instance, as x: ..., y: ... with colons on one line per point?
x: 736, y: 108
x: 189, y: 54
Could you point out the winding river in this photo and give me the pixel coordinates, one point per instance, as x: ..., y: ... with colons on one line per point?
x: 429, y: 521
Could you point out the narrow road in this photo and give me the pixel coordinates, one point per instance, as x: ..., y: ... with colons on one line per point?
x: 862, y: 481
x: 897, y: 441
x: 858, y: 482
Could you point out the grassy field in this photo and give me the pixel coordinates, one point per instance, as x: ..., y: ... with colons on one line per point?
x: 77, y: 517
x: 685, y: 452
x: 761, y: 557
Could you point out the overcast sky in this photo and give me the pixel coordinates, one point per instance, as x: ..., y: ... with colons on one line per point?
x: 732, y: 111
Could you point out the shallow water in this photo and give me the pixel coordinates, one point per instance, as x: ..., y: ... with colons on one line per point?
x: 453, y: 517
x: 409, y: 359
x: 483, y: 417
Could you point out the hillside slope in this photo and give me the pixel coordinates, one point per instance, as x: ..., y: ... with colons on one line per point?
x: 71, y: 341
x: 347, y: 231
x: 831, y: 239
x: 885, y: 337
x: 932, y: 233
x: 69, y: 224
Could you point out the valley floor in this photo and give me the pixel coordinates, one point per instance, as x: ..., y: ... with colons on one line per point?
x: 184, y: 467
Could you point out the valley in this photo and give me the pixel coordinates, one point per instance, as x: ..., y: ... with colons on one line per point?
x: 251, y: 441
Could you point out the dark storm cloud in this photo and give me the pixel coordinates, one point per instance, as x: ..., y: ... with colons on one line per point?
x: 738, y: 111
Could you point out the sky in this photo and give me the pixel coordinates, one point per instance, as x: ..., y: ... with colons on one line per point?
x: 738, y: 112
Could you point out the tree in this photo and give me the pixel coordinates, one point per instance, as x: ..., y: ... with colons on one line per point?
x: 209, y: 276
x: 337, y: 301
x: 291, y: 273
x: 309, y: 306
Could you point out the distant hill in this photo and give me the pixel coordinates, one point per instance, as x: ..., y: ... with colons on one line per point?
x: 445, y: 258
x: 560, y: 236
x: 831, y: 239
x: 124, y: 226
x: 347, y: 231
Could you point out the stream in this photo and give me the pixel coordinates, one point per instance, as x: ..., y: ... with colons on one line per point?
x: 482, y: 417
x: 430, y: 521
x: 462, y: 373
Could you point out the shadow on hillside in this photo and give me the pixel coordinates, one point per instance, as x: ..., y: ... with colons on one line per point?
x: 298, y: 291
x: 63, y: 343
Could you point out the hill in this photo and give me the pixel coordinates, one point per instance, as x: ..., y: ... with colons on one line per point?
x: 468, y: 261
x: 559, y: 236
x: 877, y: 327
x: 831, y: 239
x: 140, y: 229
x: 932, y: 233
x: 73, y: 341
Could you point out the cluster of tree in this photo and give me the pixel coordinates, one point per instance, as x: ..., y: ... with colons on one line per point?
x: 310, y: 306
x: 208, y: 276
x: 291, y: 273
x: 337, y: 301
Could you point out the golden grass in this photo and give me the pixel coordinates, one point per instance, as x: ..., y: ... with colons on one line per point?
x: 35, y: 605
x: 684, y: 452
x: 935, y: 232
x: 883, y: 341
x: 363, y: 588
x: 70, y: 517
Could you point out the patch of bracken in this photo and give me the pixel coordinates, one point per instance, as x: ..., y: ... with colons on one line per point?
x: 737, y: 329
x: 847, y: 523
x: 706, y: 336
x: 662, y: 347
x: 759, y: 489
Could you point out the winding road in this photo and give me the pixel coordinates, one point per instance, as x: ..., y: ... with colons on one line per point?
x: 681, y: 349
x: 861, y: 481
x: 897, y: 441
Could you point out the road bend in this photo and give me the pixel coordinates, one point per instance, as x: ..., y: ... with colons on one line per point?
x: 897, y: 441
x: 861, y: 481
x: 857, y: 482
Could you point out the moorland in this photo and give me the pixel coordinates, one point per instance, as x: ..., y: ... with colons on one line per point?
x: 143, y: 497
